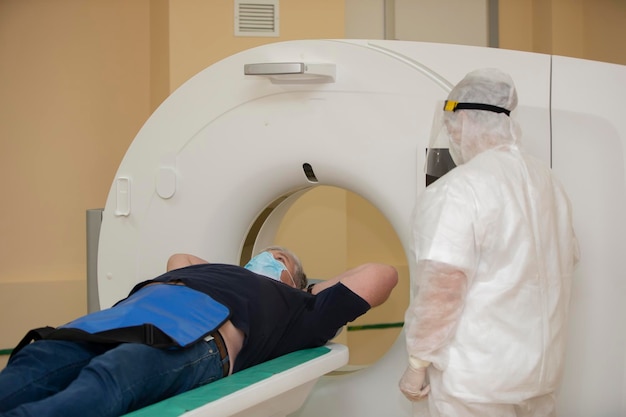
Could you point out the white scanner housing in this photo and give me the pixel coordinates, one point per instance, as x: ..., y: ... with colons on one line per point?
x: 276, y: 120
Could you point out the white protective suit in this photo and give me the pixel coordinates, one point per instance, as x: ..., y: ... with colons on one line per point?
x: 495, y: 250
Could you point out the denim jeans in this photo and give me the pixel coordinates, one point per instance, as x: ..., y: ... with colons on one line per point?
x: 62, y: 378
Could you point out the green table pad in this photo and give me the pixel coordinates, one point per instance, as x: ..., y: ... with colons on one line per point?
x: 190, y: 400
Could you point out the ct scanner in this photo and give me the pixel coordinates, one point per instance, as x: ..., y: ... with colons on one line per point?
x: 267, y: 124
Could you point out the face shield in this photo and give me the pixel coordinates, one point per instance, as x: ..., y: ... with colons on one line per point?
x: 456, y: 138
x: 438, y: 158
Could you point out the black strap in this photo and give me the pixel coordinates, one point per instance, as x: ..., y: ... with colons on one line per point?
x: 32, y: 335
x: 455, y: 105
x: 146, y: 334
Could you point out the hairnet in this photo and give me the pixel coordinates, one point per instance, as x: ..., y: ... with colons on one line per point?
x: 473, y: 131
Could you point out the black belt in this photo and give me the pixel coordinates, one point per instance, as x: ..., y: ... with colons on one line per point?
x: 221, y: 347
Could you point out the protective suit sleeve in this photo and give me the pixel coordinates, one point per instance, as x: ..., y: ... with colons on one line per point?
x: 432, y: 316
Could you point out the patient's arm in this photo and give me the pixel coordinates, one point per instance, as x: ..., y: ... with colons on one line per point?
x: 372, y: 281
x: 181, y: 260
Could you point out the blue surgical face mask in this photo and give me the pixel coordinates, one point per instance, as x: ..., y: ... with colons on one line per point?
x: 265, y: 264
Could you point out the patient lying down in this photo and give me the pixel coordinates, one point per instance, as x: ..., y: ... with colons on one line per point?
x: 193, y: 325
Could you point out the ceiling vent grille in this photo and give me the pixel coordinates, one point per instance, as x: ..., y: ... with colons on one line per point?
x: 256, y: 18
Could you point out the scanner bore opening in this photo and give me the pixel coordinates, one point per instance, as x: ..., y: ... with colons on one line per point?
x: 332, y: 229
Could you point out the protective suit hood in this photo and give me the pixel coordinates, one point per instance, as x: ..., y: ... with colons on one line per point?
x: 475, y: 117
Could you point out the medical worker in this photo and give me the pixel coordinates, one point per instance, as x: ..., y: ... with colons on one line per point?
x: 495, y: 252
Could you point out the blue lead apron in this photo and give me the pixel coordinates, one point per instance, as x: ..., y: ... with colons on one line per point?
x: 163, y: 316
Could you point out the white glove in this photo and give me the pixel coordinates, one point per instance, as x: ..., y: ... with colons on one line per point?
x: 412, y: 381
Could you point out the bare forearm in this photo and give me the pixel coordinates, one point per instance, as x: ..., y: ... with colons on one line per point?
x: 373, y: 282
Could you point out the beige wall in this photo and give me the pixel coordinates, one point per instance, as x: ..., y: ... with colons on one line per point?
x: 589, y: 29
x: 202, y: 32
x: 463, y: 22
x: 74, y: 92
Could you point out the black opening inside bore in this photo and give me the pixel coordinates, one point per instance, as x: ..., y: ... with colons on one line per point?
x: 308, y: 171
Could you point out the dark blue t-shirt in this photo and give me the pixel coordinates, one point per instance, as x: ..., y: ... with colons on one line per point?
x: 275, y: 318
